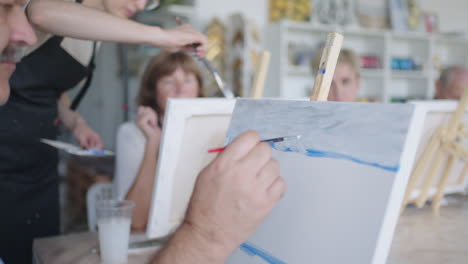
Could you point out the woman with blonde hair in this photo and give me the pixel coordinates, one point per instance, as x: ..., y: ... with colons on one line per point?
x: 167, y: 75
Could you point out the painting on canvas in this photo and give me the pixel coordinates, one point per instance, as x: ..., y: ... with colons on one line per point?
x: 346, y: 180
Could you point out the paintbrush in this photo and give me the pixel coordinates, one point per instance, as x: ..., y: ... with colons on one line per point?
x: 219, y: 81
x: 272, y: 141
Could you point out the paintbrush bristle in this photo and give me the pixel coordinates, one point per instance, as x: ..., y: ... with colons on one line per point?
x: 289, y: 144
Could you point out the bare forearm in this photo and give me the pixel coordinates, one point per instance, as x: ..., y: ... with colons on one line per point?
x: 68, y: 117
x: 189, y: 246
x: 142, y: 189
x: 77, y: 21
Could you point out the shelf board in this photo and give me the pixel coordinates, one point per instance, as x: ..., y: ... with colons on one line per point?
x: 451, y: 42
x: 299, y: 71
x: 411, y: 36
x: 365, y: 32
x: 409, y: 74
x: 450, y: 38
x: 305, y: 26
x: 372, y: 73
x: 306, y: 72
x: 182, y: 10
x: 314, y: 27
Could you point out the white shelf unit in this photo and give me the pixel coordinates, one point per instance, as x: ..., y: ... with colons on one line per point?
x: 186, y: 11
x: 383, y: 84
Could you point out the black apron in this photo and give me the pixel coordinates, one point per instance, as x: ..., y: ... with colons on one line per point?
x: 29, y: 198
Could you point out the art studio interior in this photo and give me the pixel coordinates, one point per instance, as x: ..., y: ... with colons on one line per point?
x: 247, y: 131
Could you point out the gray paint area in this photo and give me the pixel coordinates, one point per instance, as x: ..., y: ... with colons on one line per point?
x: 368, y: 132
x: 334, y: 209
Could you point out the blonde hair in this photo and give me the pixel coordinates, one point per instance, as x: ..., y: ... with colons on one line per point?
x: 160, y: 66
x: 346, y: 56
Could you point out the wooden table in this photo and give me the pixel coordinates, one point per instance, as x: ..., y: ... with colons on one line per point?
x: 78, y: 248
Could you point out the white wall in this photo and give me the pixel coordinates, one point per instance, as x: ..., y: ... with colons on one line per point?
x: 453, y: 14
x: 255, y: 9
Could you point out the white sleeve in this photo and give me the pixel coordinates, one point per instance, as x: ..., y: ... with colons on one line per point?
x: 129, y: 155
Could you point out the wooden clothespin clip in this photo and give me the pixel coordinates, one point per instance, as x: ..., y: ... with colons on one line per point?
x: 260, y: 74
x: 327, y: 66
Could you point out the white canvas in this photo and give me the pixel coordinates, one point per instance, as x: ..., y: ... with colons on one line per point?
x: 191, y: 127
x: 335, y: 210
x: 342, y: 204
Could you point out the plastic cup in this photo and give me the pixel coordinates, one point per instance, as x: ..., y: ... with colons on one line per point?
x: 114, y: 220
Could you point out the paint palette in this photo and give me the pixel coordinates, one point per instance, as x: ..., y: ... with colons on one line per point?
x: 75, y: 150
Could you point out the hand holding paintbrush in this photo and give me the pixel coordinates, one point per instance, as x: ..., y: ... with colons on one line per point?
x: 198, y: 48
x: 219, y: 81
x: 180, y: 38
x: 288, y: 142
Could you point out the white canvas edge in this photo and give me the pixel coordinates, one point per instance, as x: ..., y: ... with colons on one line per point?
x: 179, y: 110
x: 415, y: 133
x: 392, y: 212
x: 436, y: 106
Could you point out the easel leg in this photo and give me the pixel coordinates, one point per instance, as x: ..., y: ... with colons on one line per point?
x: 461, y: 179
x: 421, y: 165
x: 442, y: 184
x: 430, y: 178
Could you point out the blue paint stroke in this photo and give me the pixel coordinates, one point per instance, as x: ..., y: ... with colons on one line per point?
x: 333, y: 155
x: 252, y: 250
x: 317, y: 153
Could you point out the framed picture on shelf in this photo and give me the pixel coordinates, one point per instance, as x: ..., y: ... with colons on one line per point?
x: 398, y: 13
x: 295, y: 10
x: 406, y: 15
x: 372, y: 13
x: 335, y: 12
x: 431, y: 22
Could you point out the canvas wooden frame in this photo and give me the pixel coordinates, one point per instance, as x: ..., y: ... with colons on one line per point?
x: 397, y: 195
x: 180, y: 111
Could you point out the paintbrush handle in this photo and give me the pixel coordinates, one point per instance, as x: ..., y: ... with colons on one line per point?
x: 270, y: 140
x: 219, y: 81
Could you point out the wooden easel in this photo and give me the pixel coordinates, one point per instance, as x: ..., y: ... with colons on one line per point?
x: 327, y: 66
x: 445, y: 142
x: 260, y: 74
x: 323, y: 79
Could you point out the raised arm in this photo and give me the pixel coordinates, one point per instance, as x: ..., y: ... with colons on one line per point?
x: 74, y: 20
x: 142, y: 188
